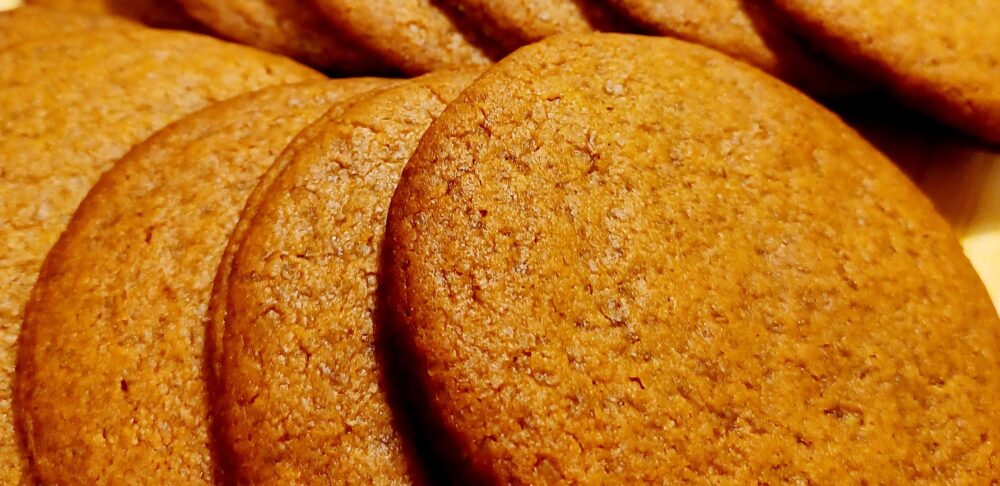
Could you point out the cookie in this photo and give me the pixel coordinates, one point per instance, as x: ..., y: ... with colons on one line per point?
x: 166, y: 14
x: 303, y: 392
x: 28, y: 23
x: 140, y: 257
x: 526, y: 21
x: 414, y: 36
x: 292, y: 28
x: 70, y: 106
x: 746, y: 30
x: 616, y: 259
x: 941, y: 58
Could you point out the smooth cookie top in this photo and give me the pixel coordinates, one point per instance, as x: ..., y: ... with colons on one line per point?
x: 943, y: 58
x: 623, y: 259
x: 27, y: 23
x: 289, y: 27
x: 304, y: 391
x: 415, y: 36
x: 746, y: 30
x: 69, y: 107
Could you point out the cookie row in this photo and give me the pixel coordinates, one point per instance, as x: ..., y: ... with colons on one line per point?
x: 596, y: 244
x: 941, y: 60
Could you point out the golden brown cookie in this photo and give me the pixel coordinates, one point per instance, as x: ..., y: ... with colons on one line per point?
x: 616, y: 259
x: 516, y: 23
x: 289, y: 27
x: 70, y: 106
x: 166, y: 14
x: 303, y: 396
x: 746, y: 30
x: 139, y: 257
x: 415, y: 36
x: 26, y: 23
x: 216, y: 320
x: 940, y: 57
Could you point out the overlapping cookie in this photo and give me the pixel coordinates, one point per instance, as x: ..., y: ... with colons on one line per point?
x: 69, y: 107
x: 304, y: 390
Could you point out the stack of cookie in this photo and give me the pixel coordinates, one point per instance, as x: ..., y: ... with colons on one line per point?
x: 577, y: 258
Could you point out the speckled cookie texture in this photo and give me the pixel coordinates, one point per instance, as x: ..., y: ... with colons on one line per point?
x: 166, y: 14
x: 617, y: 259
x: 415, y: 36
x: 69, y: 107
x: 27, y: 23
x: 303, y: 396
x: 746, y: 30
x: 216, y: 320
x: 290, y: 27
x: 520, y: 22
x: 134, y: 272
x: 941, y: 57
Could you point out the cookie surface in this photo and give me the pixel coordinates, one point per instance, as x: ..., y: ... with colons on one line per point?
x: 166, y: 14
x: 746, y: 30
x: 134, y: 271
x: 521, y: 22
x: 942, y: 58
x: 27, y: 23
x: 617, y: 259
x: 69, y: 107
x: 302, y: 390
x: 415, y: 36
x: 289, y: 27
x: 216, y: 321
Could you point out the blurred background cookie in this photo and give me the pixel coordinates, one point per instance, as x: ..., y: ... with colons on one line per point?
x: 746, y: 30
x: 27, y: 22
x: 290, y: 27
x: 166, y: 14
x: 941, y: 58
x: 516, y: 23
x: 415, y: 36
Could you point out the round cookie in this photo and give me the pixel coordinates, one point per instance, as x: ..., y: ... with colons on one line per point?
x: 166, y: 14
x: 746, y: 30
x: 304, y: 394
x: 940, y: 57
x: 134, y: 271
x: 26, y: 23
x: 69, y: 107
x: 526, y: 21
x: 619, y: 260
x: 292, y: 28
x: 414, y: 36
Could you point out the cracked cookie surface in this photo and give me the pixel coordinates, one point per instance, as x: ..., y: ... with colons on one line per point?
x: 71, y: 106
x: 304, y: 392
x: 623, y: 259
